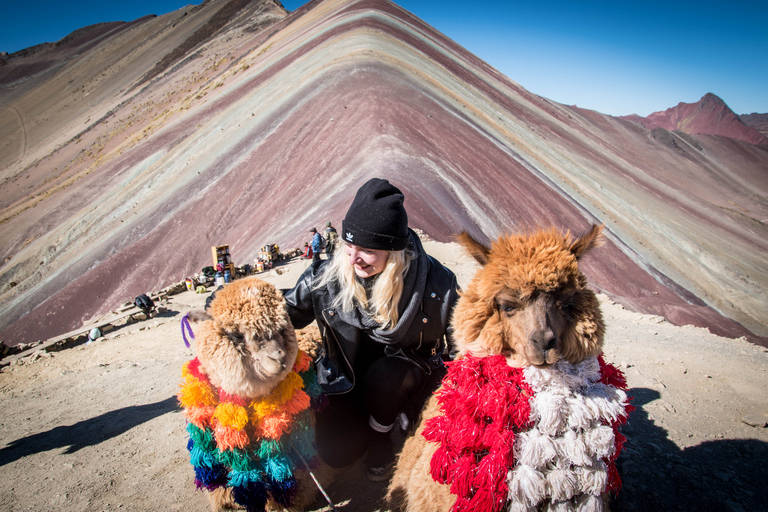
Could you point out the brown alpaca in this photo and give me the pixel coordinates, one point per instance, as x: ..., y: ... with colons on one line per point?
x: 246, y: 346
x: 528, y: 302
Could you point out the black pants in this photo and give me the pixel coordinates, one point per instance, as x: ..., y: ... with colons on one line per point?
x: 389, y: 386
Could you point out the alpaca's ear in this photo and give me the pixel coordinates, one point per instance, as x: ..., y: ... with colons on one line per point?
x: 198, y: 315
x: 473, y: 247
x: 590, y: 240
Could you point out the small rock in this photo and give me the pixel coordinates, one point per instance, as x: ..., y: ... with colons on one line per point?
x: 755, y: 420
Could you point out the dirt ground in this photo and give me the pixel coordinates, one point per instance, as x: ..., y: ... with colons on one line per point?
x: 97, y: 426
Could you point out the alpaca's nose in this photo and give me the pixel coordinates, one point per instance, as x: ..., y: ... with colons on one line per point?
x: 544, y: 339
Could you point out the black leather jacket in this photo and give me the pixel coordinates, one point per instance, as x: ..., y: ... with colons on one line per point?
x: 426, y: 340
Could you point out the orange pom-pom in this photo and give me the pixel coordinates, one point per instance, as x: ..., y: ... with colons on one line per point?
x: 199, y: 416
x: 303, y: 362
x: 298, y: 403
x: 228, y: 438
x: 276, y: 425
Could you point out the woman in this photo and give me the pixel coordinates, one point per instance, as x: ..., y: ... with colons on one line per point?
x: 383, y: 307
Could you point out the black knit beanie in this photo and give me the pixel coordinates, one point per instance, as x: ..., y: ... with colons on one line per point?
x: 377, y: 219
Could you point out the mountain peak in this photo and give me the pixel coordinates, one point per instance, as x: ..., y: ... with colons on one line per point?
x: 709, y: 116
x: 712, y: 99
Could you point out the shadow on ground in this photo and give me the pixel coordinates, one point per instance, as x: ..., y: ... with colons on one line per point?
x: 87, y: 432
x: 724, y: 475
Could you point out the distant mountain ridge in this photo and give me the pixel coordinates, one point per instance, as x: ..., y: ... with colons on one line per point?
x: 757, y: 121
x: 709, y: 116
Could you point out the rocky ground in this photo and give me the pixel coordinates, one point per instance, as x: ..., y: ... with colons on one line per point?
x: 97, y: 427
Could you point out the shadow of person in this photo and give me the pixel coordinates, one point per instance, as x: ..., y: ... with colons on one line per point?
x: 728, y: 475
x: 87, y: 432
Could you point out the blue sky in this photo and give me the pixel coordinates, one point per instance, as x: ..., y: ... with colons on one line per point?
x: 617, y: 57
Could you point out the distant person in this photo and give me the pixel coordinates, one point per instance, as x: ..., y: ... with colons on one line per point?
x: 331, y: 237
x: 307, y: 254
x: 316, y: 244
x: 145, y: 304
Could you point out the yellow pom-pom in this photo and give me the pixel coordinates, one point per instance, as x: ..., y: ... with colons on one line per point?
x: 272, y: 403
x: 231, y: 415
x: 195, y: 393
x: 262, y: 408
x: 285, y: 390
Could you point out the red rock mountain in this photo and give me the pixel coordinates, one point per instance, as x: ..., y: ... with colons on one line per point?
x: 709, y: 116
x: 128, y: 149
x: 757, y: 121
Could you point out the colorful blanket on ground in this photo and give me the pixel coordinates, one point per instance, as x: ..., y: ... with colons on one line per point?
x: 252, y: 446
x: 516, y: 438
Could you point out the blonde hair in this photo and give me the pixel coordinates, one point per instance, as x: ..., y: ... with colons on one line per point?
x: 387, y: 288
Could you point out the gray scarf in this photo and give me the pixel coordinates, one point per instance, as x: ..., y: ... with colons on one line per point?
x: 410, y: 300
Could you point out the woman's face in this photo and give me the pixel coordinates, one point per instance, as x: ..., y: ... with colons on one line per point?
x: 367, y: 262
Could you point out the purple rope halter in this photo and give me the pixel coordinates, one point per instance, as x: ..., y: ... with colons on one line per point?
x: 185, y: 321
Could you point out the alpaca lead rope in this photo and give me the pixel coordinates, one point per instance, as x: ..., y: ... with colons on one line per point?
x: 314, y: 479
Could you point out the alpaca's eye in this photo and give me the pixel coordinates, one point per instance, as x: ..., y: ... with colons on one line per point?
x: 236, y: 337
x: 507, y: 307
x: 566, y: 302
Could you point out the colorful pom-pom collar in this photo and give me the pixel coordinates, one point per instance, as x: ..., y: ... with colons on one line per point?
x: 517, y: 438
x: 252, y: 446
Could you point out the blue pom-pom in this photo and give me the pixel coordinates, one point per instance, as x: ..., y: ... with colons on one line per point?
x: 203, y: 459
x: 211, y: 477
x: 278, y: 468
x: 243, y: 478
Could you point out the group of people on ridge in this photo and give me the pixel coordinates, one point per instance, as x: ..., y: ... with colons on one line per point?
x: 319, y: 243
